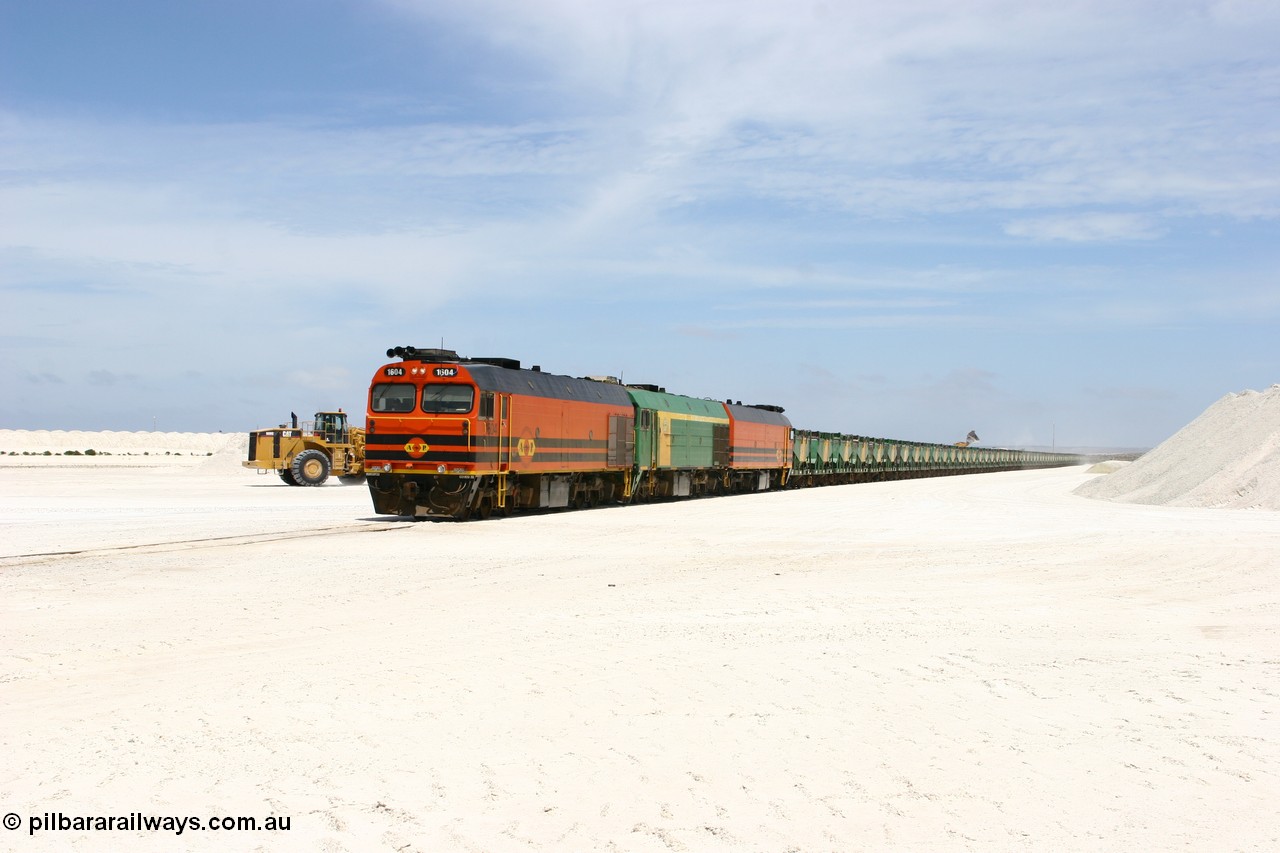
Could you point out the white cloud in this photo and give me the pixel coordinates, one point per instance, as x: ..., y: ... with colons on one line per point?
x: 323, y: 379
x: 875, y: 110
x: 140, y: 234
x: 1086, y: 228
x: 910, y: 108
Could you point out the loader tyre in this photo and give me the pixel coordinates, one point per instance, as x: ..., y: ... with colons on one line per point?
x: 351, y: 479
x: 310, y: 468
x: 287, y: 476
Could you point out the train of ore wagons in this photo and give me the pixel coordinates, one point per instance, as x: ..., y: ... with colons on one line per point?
x: 451, y: 437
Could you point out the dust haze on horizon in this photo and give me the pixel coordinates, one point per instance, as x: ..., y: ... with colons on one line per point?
x: 1049, y: 225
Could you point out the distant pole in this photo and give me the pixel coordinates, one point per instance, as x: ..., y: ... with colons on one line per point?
x: 153, y: 423
x: 1055, y: 438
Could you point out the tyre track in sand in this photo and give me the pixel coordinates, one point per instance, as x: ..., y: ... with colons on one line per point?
x: 232, y: 540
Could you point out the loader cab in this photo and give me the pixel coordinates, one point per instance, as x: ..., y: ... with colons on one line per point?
x: 332, y: 427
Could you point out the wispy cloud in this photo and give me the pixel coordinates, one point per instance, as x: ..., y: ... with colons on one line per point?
x: 325, y: 380
x: 881, y: 111
x: 1130, y: 393
x: 1086, y: 228
x: 109, y: 378
x: 891, y: 108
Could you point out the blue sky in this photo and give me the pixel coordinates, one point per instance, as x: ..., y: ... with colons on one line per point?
x: 1044, y: 222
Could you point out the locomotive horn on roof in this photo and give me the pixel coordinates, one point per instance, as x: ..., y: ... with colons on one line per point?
x: 427, y: 355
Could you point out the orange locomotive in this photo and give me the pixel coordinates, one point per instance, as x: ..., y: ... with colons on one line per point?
x: 448, y: 437
x: 759, y: 446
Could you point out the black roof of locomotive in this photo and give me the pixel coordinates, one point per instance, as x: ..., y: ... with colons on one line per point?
x: 505, y: 380
x: 505, y: 376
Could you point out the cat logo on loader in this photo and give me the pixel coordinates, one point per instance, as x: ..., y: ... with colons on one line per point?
x: 305, y: 455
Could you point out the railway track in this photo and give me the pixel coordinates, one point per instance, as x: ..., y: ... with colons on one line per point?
x: 234, y: 540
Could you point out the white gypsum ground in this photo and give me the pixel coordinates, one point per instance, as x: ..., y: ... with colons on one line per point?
x: 963, y: 663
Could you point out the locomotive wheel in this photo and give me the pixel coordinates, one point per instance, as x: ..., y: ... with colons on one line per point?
x: 310, y: 468
x: 287, y: 476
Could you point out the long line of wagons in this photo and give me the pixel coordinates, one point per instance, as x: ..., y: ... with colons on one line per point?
x: 450, y: 437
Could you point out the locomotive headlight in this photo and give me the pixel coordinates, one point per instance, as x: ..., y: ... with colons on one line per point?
x: 386, y: 467
x: 439, y: 469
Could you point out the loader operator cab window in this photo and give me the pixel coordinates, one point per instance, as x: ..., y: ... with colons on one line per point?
x: 332, y: 427
x: 392, y: 397
x: 442, y: 399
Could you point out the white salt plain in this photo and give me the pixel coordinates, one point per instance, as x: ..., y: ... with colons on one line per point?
x: 987, y: 662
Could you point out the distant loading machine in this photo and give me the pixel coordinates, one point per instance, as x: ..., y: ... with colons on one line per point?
x: 306, y: 454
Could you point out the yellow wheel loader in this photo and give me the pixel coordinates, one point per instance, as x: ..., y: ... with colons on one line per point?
x: 306, y: 454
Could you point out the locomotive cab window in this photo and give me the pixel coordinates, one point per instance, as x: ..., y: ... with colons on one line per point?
x: 439, y: 398
x: 486, y: 405
x: 392, y: 397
